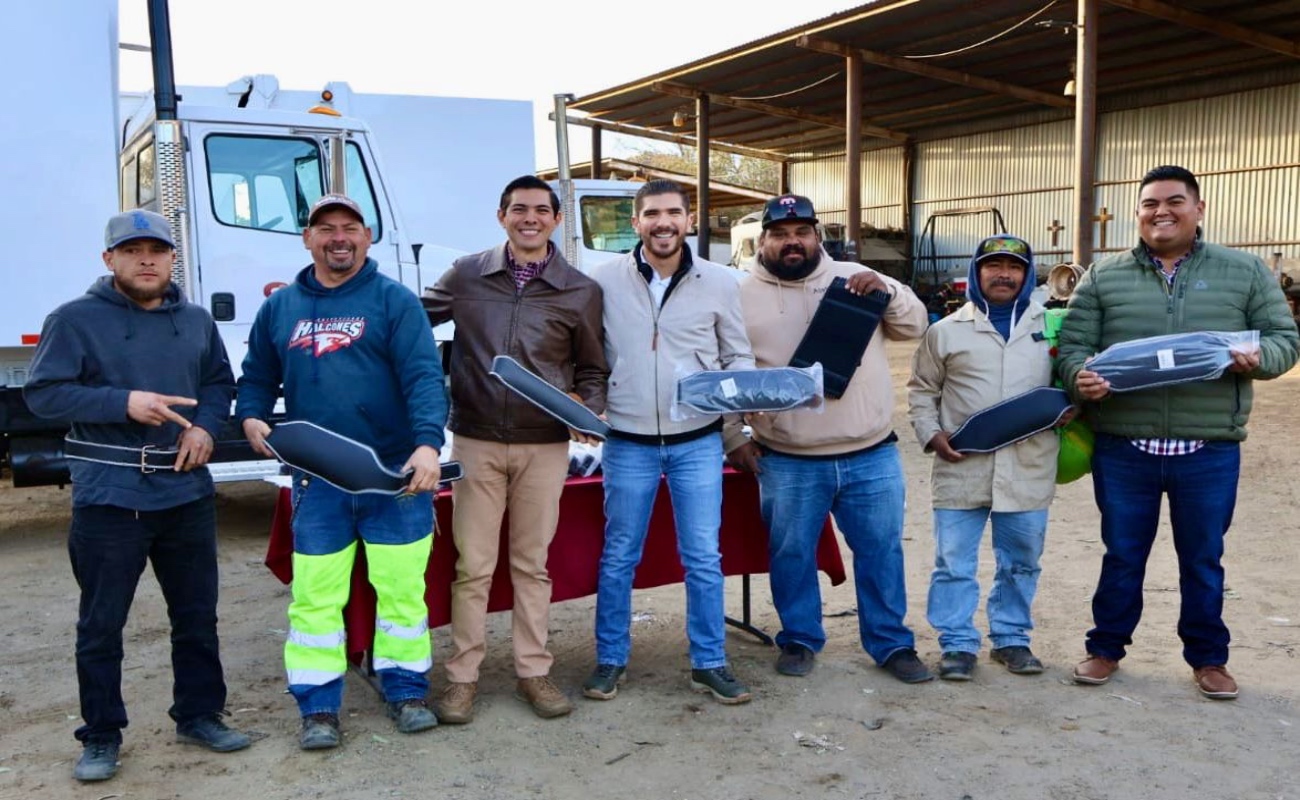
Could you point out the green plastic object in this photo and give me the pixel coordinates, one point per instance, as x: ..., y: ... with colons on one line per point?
x: 1074, y: 459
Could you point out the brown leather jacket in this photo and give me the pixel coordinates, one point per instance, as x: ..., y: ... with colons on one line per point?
x: 553, y: 328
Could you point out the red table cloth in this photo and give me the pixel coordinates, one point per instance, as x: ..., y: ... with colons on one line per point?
x: 574, y: 558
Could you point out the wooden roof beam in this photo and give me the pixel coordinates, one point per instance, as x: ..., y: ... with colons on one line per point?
x: 680, y: 90
x: 938, y: 73
x: 674, y: 138
x: 1203, y: 22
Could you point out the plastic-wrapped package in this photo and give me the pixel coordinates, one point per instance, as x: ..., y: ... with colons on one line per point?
x: 584, y: 459
x: 1171, y: 359
x: 711, y: 392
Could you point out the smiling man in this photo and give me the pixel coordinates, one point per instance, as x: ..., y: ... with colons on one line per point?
x: 667, y: 314
x: 355, y: 355
x: 1183, y: 440
x: 142, y: 376
x: 522, y: 299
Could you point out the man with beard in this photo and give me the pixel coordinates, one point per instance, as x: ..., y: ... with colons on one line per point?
x: 666, y: 314
x: 842, y: 461
x: 143, y: 378
x: 991, y: 349
x: 355, y: 354
x: 523, y: 299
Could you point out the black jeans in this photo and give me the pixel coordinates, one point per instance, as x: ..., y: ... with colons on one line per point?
x: 108, y: 547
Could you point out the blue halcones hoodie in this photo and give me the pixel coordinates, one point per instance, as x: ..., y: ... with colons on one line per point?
x: 97, y: 349
x: 359, y: 359
x: 1003, y: 317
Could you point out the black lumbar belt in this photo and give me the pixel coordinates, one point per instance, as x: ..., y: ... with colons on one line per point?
x: 839, y: 333
x: 1010, y: 421
x: 342, y: 462
x: 547, y: 397
x: 147, y: 458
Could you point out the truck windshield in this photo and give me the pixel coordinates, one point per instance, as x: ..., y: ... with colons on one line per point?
x: 607, y: 224
x: 269, y: 183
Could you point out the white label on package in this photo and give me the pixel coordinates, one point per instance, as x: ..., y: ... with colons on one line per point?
x: 1165, y: 358
x: 729, y: 388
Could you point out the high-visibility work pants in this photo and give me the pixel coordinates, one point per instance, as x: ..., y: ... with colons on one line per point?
x: 397, y: 531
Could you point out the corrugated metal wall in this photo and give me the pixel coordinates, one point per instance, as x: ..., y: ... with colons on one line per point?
x: 823, y: 181
x: 1244, y: 146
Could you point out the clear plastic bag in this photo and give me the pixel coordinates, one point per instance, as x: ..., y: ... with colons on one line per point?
x: 708, y: 393
x: 584, y: 459
x: 1171, y: 359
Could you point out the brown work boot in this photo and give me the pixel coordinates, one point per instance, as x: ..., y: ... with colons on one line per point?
x: 1215, y: 682
x: 456, y: 705
x: 544, y: 696
x: 1095, y: 670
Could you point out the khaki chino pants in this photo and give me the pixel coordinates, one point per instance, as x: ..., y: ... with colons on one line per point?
x: 526, y: 480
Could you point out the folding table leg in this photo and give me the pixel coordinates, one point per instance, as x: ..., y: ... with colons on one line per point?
x: 743, y: 623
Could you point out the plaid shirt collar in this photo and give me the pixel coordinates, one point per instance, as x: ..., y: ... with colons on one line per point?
x: 1155, y: 262
x: 523, y: 273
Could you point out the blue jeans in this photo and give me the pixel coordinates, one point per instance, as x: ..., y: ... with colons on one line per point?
x: 632, y: 472
x: 326, y: 520
x: 954, y: 588
x: 865, y: 493
x: 1202, y: 490
x: 108, y: 547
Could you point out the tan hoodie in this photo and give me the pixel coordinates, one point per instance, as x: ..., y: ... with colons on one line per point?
x: 777, y: 314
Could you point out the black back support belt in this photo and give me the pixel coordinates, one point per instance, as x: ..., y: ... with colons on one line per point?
x: 146, y: 458
x: 1011, y: 420
x: 548, y: 398
x: 345, y: 463
x: 841, y: 329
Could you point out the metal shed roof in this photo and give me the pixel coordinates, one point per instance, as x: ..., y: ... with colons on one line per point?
x: 933, y: 67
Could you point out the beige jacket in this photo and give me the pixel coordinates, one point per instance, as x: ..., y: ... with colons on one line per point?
x: 649, y: 348
x: 777, y: 314
x: 963, y: 366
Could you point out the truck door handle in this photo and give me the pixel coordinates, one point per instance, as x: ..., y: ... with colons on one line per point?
x: 223, y: 306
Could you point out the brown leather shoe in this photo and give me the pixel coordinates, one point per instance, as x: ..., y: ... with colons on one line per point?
x: 1215, y: 682
x: 544, y: 696
x: 456, y: 705
x: 1094, y: 670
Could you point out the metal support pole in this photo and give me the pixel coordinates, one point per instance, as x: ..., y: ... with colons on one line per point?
x: 853, y: 154
x: 702, y: 176
x: 1085, y: 130
x: 596, y: 158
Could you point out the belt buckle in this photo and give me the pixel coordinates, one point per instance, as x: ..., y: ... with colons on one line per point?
x: 144, y: 454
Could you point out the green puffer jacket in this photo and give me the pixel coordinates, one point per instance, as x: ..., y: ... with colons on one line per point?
x: 1217, y: 289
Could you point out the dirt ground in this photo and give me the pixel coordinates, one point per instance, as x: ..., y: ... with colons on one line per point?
x: 849, y: 730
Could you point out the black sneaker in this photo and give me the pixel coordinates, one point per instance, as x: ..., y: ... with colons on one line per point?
x: 604, y: 682
x: 956, y: 665
x: 905, y: 666
x: 319, y: 732
x: 412, y: 716
x: 1018, y: 659
x: 795, y: 660
x: 725, y: 687
x: 210, y: 732
x: 98, y: 761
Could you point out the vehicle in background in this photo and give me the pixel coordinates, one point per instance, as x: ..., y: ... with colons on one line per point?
x: 235, y: 170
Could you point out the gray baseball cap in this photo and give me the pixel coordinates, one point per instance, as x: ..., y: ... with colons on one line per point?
x: 137, y: 224
x: 335, y: 201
